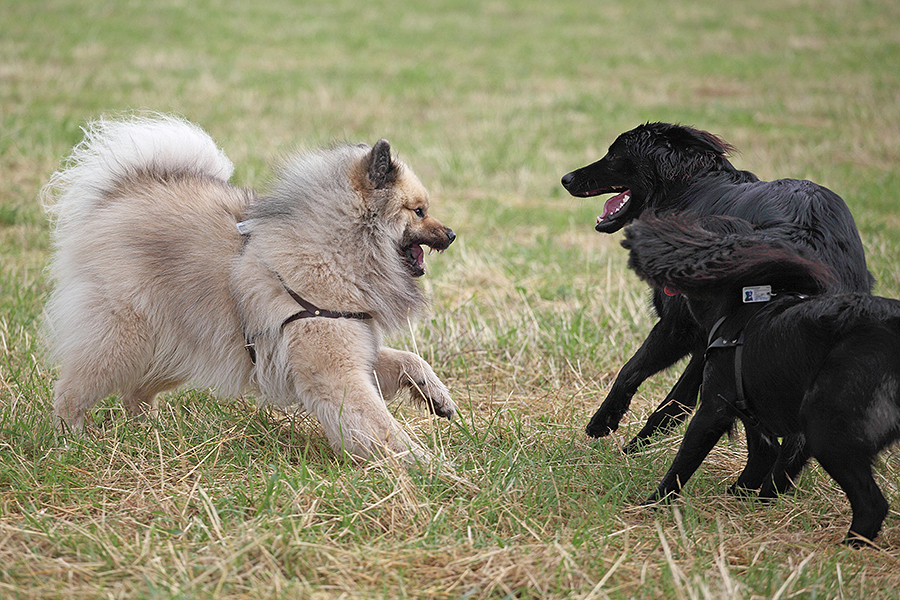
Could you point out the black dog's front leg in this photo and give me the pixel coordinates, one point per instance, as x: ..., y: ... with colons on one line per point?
x: 709, y: 424
x: 671, y: 339
x: 792, y: 457
x: 762, y: 452
x: 679, y: 403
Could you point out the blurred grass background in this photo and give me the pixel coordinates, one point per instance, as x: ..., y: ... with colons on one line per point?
x: 533, y: 312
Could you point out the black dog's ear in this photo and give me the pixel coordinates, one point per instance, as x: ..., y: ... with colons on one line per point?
x: 382, y: 170
x: 686, y: 152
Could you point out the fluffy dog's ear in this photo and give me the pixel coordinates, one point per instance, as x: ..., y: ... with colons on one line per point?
x: 382, y: 170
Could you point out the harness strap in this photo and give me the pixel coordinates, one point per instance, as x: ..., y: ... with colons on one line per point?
x: 741, y: 406
x: 309, y: 310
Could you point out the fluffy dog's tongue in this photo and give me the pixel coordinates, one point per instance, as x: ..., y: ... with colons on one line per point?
x: 614, y: 205
x: 418, y: 254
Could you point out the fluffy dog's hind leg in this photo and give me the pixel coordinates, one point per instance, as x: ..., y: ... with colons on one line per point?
x: 142, y: 403
x: 73, y: 397
x: 396, y: 369
x: 104, y: 358
x: 76, y: 394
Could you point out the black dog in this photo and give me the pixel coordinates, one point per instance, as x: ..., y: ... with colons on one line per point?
x: 786, y: 355
x: 671, y: 168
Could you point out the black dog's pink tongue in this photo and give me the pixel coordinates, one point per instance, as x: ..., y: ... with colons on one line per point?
x: 614, y: 205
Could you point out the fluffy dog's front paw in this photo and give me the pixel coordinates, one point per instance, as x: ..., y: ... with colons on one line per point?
x: 399, y: 369
x: 434, y: 394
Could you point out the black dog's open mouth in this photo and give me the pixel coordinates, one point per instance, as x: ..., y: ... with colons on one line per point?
x: 414, y: 258
x: 614, y: 207
x: 615, y: 204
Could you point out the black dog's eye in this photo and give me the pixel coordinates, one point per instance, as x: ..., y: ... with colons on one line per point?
x: 420, y: 212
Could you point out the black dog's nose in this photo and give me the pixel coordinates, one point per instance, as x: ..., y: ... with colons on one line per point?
x: 450, y: 236
x: 567, y: 179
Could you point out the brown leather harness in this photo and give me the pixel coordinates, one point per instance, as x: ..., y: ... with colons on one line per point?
x: 308, y: 309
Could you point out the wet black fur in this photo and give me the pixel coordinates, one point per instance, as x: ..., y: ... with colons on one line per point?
x: 821, y: 371
x: 677, y: 169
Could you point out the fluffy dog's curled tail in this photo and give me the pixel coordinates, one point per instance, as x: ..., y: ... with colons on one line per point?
x: 113, y: 150
x: 710, y: 254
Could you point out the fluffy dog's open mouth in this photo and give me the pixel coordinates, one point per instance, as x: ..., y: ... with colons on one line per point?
x: 412, y: 253
x: 414, y: 257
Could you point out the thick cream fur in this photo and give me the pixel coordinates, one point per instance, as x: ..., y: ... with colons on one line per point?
x: 155, y: 288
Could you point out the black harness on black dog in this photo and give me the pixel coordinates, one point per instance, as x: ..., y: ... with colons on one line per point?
x: 308, y: 309
x: 741, y: 405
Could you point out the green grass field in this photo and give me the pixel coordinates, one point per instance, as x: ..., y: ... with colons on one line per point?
x: 533, y: 312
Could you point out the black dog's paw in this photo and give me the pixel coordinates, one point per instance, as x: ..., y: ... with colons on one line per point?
x: 767, y: 496
x: 770, y: 490
x: 857, y: 542
x: 603, y: 423
x: 658, y: 499
x: 740, y: 491
x: 635, y: 444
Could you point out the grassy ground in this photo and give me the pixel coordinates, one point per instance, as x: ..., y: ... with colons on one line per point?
x: 533, y: 312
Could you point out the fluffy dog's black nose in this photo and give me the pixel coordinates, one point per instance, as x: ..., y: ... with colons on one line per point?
x: 567, y: 179
x: 450, y: 236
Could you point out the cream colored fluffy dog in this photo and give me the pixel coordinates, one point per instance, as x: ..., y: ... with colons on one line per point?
x: 166, y: 275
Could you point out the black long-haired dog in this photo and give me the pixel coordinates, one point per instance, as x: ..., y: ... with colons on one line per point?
x: 662, y: 167
x: 785, y: 354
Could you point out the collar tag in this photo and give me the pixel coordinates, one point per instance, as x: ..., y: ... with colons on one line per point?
x: 757, y: 293
x: 244, y: 227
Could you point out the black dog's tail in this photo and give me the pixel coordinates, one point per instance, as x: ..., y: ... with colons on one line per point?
x: 709, y: 255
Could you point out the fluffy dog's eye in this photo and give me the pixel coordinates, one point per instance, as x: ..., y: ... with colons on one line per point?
x: 420, y: 212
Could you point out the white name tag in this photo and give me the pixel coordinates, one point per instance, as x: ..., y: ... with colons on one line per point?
x: 757, y: 293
